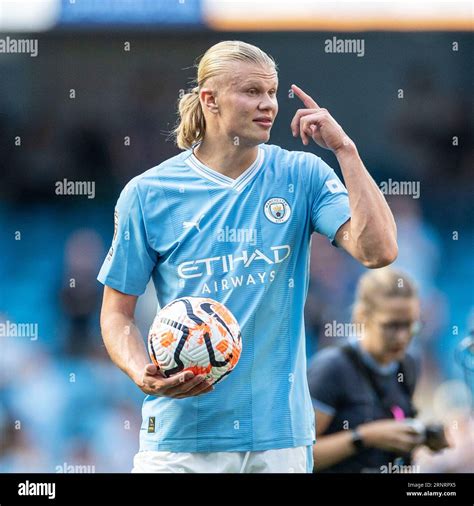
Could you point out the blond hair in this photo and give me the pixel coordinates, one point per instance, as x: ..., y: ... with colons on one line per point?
x: 191, y: 126
x: 379, y: 284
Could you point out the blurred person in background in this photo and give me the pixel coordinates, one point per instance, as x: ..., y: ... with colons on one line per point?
x: 453, y: 403
x: 459, y: 457
x: 426, y: 141
x: 362, y: 391
x: 328, y: 299
x: 80, y: 294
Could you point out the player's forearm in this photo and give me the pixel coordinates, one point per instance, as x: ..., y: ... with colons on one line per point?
x: 332, y: 449
x: 372, y: 227
x: 124, y: 344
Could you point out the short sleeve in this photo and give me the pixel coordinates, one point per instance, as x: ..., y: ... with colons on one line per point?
x: 130, y: 260
x: 324, y: 380
x: 329, y: 199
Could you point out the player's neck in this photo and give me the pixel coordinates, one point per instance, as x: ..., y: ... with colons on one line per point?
x: 224, y: 158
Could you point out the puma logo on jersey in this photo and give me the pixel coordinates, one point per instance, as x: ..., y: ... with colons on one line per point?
x: 191, y: 224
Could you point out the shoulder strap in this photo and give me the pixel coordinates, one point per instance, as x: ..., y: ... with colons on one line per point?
x: 408, y: 369
x: 356, y: 359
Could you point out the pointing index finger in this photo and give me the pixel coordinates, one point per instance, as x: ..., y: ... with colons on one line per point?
x: 304, y: 97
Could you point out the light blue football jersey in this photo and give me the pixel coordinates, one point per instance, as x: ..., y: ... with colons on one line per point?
x: 245, y: 243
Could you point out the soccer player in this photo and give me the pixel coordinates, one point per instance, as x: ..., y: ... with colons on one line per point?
x: 231, y: 218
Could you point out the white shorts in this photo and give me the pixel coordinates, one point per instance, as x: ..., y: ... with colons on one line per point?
x: 285, y: 460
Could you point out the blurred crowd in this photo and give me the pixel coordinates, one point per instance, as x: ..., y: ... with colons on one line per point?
x: 62, y: 402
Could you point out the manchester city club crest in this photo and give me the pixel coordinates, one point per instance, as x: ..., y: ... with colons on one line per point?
x: 277, y: 210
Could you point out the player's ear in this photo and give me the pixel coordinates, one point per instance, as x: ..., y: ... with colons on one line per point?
x: 208, y: 100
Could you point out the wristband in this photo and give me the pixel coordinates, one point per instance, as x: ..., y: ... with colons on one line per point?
x: 357, y: 441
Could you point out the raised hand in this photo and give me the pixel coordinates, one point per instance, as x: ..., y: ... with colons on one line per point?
x: 316, y: 123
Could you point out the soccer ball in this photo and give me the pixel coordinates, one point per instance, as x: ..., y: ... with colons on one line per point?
x: 195, y: 334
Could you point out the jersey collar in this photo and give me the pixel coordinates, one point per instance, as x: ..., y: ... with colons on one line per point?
x: 212, y: 175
